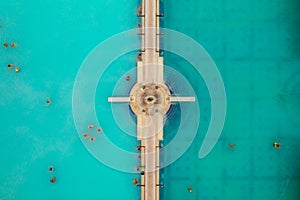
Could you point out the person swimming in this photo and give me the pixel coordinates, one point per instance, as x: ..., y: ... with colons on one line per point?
x: 139, y: 57
x: 48, y: 102
x: 91, y: 126
x: 53, y: 179
x: 276, y: 145
x: 140, y: 9
x: 10, y: 66
x: 50, y: 168
x: 135, y: 181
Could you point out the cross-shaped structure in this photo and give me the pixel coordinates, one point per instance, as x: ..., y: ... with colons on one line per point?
x: 150, y: 99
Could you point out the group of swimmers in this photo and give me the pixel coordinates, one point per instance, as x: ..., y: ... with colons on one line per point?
x: 5, y: 45
x: 139, y: 58
x: 87, y: 136
x: 276, y: 145
x: 10, y: 66
x: 53, y: 178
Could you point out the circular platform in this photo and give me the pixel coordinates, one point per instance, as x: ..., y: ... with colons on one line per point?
x: 150, y: 99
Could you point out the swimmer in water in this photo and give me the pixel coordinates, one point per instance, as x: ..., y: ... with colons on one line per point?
x: 127, y: 78
x: 276, y: 145
x: 91, y: 126
x: 48, y: 102
x: 5, y: 45
x: 140, y: 8
x: 13, y: 44
x: 92, y: 139
x: 190, y: 189
x: 53, y: 179
x: 17, y: 69
x: 231, y: 146
x: 10, y: 66
x: 50, y: 168
x: 99, y: 130
x: 139, y: 56
x: 86, y: 135
x: 135, y: 181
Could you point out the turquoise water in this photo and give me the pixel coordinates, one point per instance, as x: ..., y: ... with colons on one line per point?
x: 53, y: 39
x: 255, y: 46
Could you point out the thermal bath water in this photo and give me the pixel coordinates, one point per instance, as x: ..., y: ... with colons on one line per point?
x: 253, y: 43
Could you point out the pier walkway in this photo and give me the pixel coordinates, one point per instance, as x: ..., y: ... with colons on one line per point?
x: 150, y: 99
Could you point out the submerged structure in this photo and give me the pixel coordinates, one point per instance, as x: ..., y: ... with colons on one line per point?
x: 150, y: 99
